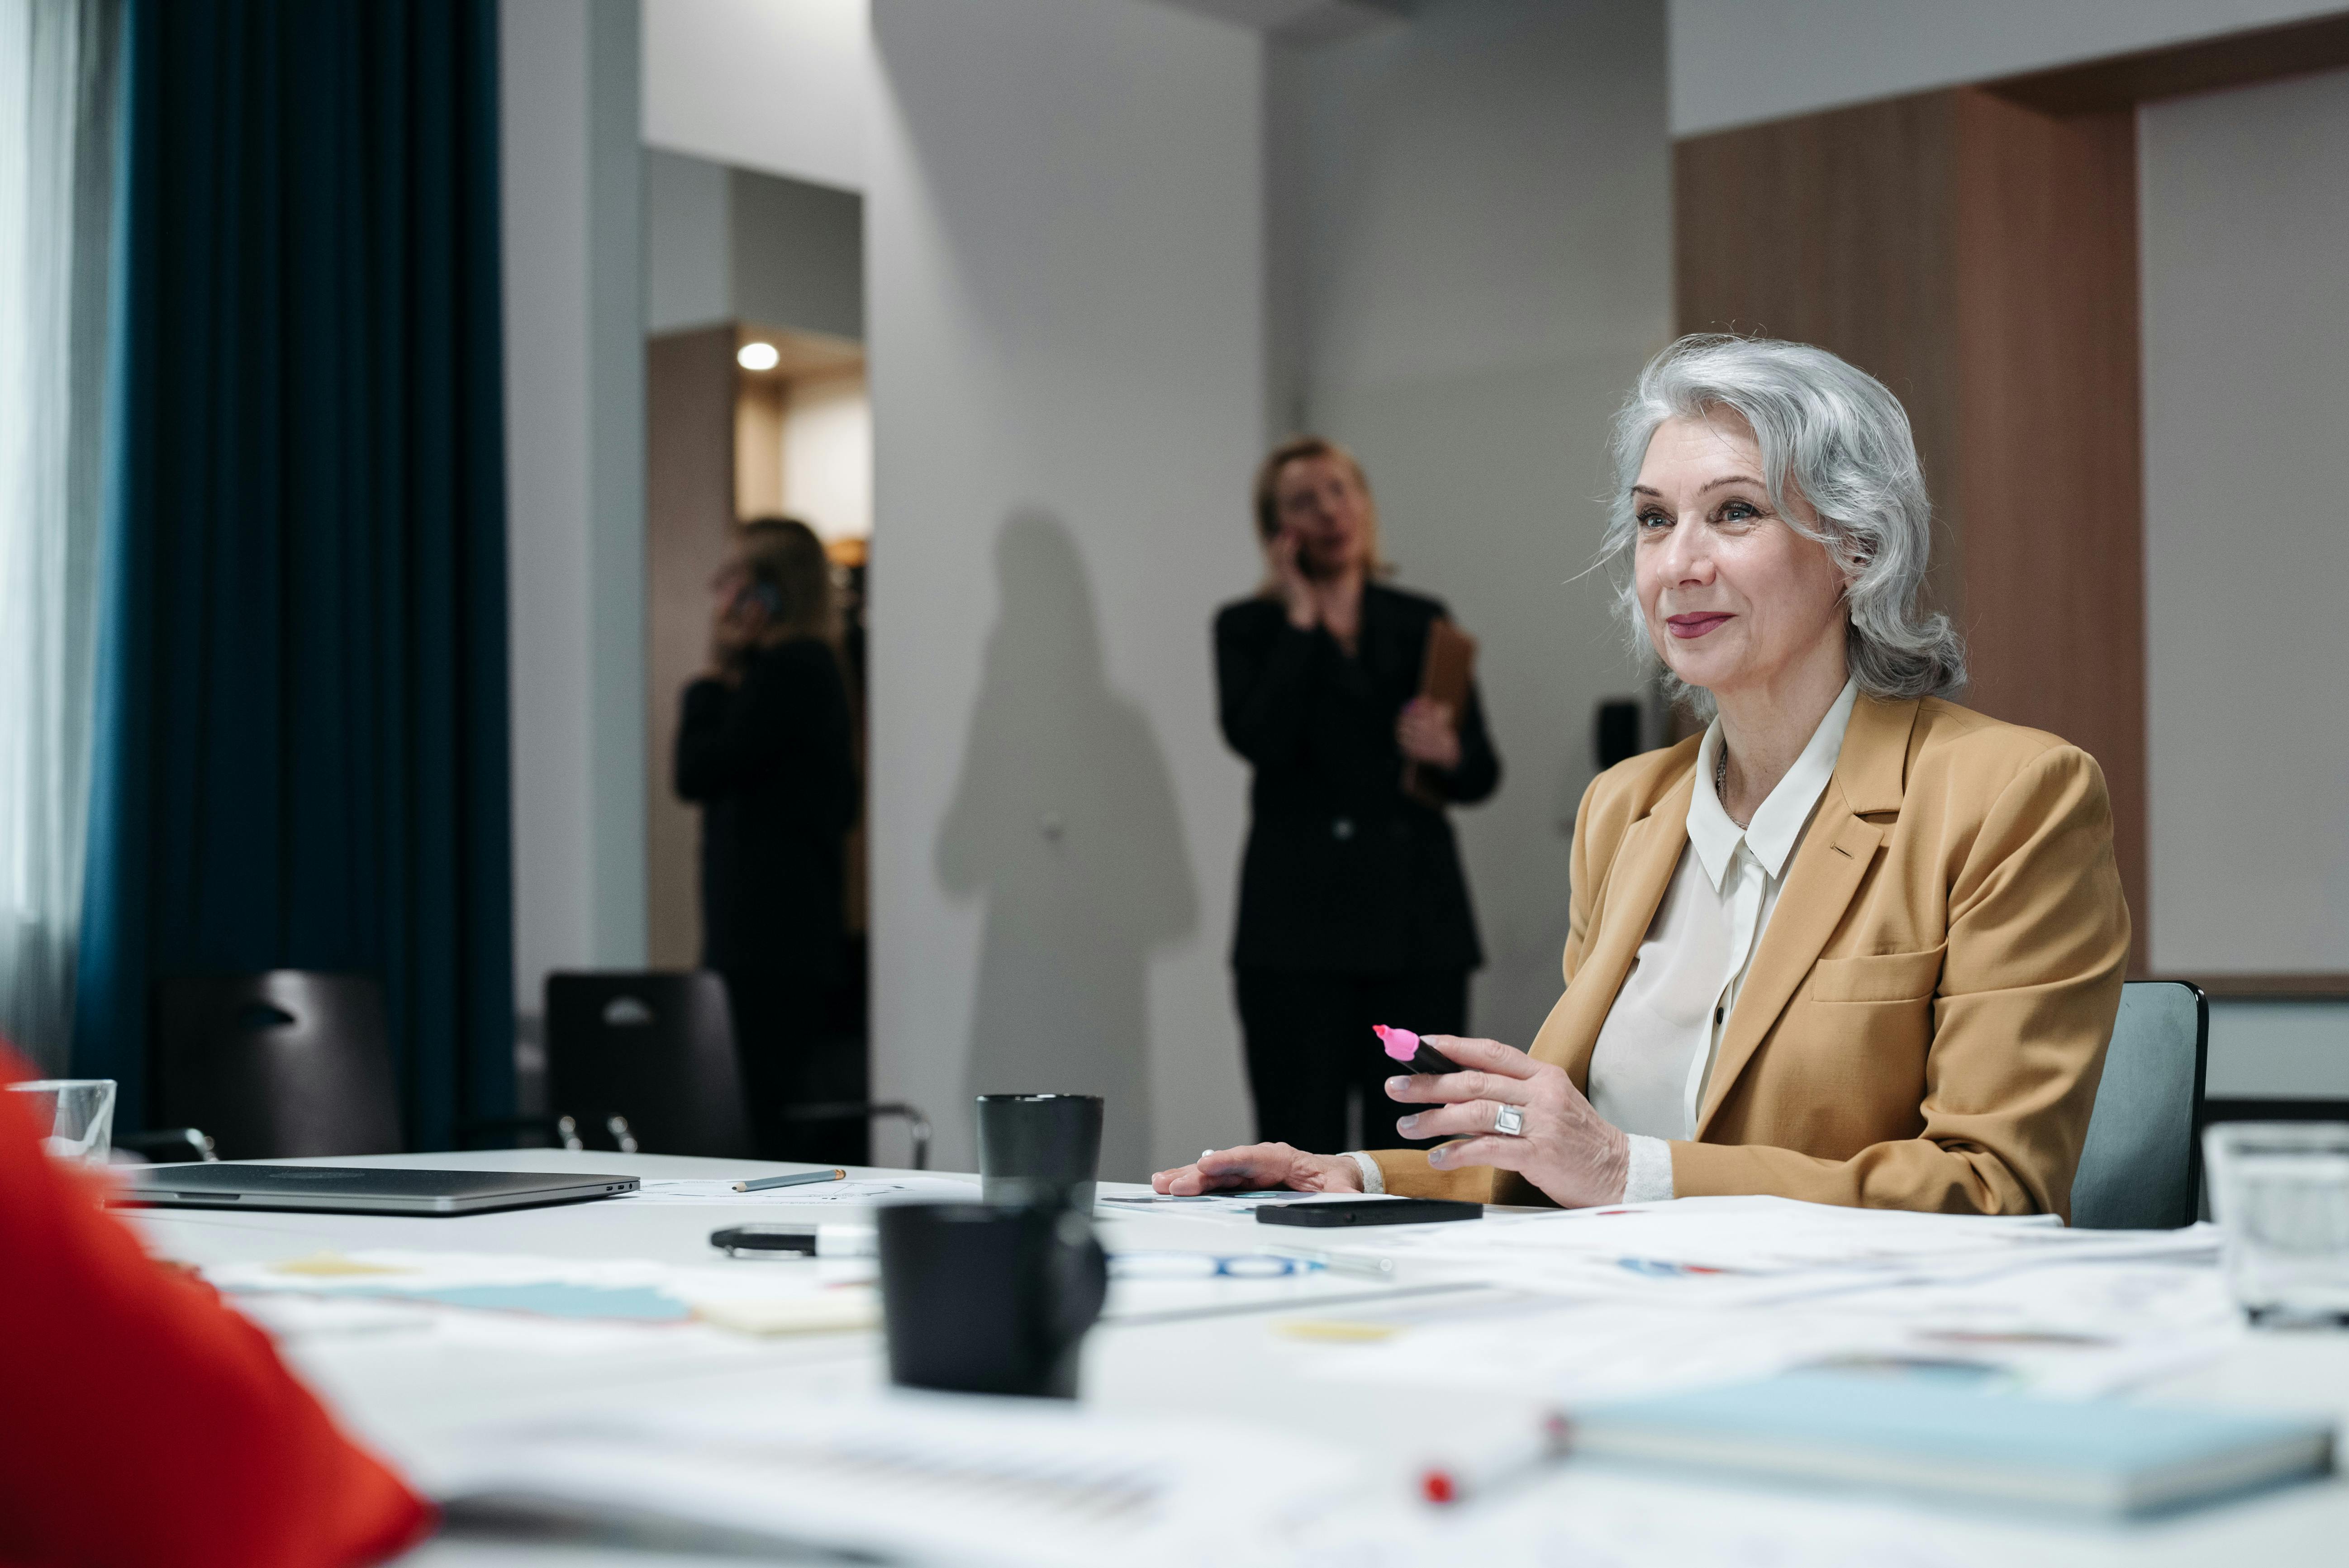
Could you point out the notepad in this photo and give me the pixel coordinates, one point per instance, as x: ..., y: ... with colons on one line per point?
x: 1916, y: 1435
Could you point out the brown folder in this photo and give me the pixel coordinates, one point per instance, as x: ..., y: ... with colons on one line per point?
x: 1444, y: 674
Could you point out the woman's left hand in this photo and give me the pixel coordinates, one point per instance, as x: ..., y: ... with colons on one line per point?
x: 1426, y: 733
x: 1564, y: 1149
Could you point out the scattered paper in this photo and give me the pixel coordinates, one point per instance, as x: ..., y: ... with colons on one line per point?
x: 834, y: 1312
x: 1726, y: 1252
x: 802, y: 1298
x: 908, y: 1477
x: 887, y: 1189
x: 329, y: 1265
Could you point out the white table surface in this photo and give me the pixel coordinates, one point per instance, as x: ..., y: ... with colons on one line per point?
x: 407, y: 1400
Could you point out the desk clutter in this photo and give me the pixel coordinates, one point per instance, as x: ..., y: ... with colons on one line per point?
x: 1029, y: 1365
x: 1550, y: 1365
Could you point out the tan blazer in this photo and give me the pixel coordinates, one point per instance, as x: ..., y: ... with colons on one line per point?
x: 1925, y: 1020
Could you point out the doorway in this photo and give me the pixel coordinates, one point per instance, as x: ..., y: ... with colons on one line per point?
x: 756, y: 408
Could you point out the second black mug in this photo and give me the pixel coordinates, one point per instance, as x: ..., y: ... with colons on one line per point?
x: 1040, y: 1149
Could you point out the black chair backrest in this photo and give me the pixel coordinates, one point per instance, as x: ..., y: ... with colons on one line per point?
x: 275, y: 1066
x: 2141, y: 1169
x: 656, y: 1048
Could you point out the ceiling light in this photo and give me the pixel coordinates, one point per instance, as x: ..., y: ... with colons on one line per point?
x: 758, y: 357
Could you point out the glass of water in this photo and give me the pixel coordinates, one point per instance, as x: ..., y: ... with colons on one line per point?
x: 75, y: 1116
x: 2280, y: 1190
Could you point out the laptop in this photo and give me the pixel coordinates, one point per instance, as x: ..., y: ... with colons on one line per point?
x: 359, y: 1190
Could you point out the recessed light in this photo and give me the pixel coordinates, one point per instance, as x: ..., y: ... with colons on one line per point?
x: 758, y: 357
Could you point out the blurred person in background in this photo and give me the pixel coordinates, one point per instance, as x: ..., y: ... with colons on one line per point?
x: 766, y: 748
x: 1353, y: 910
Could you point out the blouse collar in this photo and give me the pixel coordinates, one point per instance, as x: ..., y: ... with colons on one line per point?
x: 1778, y: 823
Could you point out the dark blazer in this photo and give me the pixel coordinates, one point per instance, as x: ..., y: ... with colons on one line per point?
x: 1343, y: 870
x: 772, y: 764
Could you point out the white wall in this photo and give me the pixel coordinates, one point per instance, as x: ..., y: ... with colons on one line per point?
x: 2279, y: 1049
x: 728, y: 243
x: 2245, y: 207
x: 828, y: 454
x: 689, y: 242
x: 775, y: 85
x: 798, y: 253
x: 1737, y: 61
x: 1064, y: 204
x: 576, y: 485
x: 1473, y: 228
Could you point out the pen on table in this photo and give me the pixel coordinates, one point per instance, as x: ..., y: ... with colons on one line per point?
x: 1477, y: 1470
x: 827, y: 1241
x: 796, y: 1179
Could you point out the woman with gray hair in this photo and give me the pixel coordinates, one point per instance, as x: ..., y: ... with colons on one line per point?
x: 1854, y: 944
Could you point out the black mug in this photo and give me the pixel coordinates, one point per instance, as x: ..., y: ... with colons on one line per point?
x: 984, y: 1298
x: 1040, y: 1149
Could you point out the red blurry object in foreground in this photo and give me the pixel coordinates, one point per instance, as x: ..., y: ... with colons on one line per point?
x: 101, y: 1349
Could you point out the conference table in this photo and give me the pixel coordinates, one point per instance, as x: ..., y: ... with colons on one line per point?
x: 1258, y: 1362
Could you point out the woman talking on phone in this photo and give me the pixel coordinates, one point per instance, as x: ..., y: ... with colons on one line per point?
x: 1352, y: 907
x: 767, y: 749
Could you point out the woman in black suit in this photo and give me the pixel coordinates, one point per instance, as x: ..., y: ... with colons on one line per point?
x: 1353, y: 910
x: 766, y: 748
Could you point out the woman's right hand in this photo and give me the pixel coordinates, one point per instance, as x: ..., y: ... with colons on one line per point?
x: 1260, y: 1167
x: 1297, y: 593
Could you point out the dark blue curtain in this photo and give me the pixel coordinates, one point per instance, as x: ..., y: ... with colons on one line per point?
x: 301, y: 759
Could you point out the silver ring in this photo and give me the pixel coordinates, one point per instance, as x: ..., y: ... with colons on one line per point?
x: 1510, y: 1121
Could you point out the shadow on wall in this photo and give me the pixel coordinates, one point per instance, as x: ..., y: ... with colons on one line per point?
x: 1064, y: 821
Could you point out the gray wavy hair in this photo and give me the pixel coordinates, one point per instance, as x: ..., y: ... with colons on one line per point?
x: 1843, y: 440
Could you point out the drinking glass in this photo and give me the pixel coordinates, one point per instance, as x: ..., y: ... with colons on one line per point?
x: 2280, y: 1190
x: 75, y: 1116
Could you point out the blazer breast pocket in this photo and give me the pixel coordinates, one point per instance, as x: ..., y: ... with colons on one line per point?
x: 1880, y: 977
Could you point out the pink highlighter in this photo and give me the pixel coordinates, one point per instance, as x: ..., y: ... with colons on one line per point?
x: 1404, y: 1047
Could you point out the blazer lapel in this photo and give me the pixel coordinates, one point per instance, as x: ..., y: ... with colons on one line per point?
x: 1641, y: 871
x: 1829, y: 866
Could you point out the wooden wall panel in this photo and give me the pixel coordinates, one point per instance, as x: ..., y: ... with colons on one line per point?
x: 1835, y: 229
x: 2121, y: 82
x: 2049, y: 429
x: 1980, y: 258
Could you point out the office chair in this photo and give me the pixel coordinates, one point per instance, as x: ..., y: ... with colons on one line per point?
x: 271, y: 1065
x: 2142, y: 1167
x: 647, y: 1059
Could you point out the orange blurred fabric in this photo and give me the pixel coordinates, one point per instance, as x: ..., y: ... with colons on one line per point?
x: 144, y: 1422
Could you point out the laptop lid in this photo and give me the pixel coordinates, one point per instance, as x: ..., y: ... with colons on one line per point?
x: 360, y: 1190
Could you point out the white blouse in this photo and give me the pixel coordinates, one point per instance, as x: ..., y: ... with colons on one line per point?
x: 1654, y: 1053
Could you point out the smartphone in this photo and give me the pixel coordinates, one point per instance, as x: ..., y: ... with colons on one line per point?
x: 1368, y: 1212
